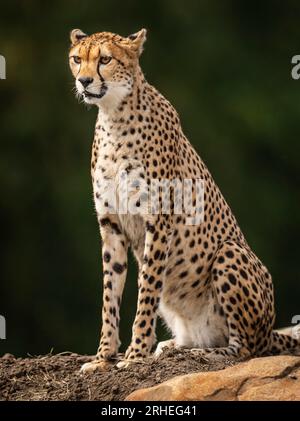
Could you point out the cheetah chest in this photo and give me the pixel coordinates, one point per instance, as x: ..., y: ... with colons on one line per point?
x: 113, y: 178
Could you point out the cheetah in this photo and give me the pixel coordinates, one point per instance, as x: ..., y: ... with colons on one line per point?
x: 212, y: 292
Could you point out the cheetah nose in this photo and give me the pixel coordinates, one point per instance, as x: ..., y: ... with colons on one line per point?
x: 85, y: 81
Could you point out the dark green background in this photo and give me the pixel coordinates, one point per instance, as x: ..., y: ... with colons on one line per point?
x: 225, y: 65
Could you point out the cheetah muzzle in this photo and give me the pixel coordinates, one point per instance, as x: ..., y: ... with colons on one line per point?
x: 202, y: 279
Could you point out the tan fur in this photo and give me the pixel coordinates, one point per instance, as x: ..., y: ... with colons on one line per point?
x: 212, y: 291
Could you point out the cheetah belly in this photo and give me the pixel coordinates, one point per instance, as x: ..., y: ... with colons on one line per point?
x: 195, y: 322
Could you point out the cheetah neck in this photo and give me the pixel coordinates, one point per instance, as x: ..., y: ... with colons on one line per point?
x: 117, y: 126
x: 119, y: 107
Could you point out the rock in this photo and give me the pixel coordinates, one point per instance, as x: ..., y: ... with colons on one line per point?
x: 269, y: 378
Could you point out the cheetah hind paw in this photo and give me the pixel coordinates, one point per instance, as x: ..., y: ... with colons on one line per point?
x: 203, y: 354
x: 161, y: 346
x: 220, y: 354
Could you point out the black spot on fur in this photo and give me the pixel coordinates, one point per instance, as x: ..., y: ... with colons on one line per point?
x: 118, y: 268
x: 232, y: 279
x: 158, y: 285
x: 225, y: 287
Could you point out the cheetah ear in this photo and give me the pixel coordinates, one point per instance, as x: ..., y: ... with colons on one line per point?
x: 77, y: 35
x: 137, y: 40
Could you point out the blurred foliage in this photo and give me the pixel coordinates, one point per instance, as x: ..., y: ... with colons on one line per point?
x: 226, y: 68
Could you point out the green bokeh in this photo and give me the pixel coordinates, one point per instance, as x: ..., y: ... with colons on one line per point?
x: 226, y: 67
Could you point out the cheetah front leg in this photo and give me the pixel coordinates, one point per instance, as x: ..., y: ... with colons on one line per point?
x: 114, y: 256
x: 150, y: 285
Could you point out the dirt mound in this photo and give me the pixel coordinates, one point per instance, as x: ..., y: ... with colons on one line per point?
x: 57, y: 377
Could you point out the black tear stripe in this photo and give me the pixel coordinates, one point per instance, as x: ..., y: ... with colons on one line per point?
x: 78, y: 70
x: 104, y: 87
x: 98, y: 71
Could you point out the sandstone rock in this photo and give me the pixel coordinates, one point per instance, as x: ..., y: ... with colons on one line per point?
x: 268, y: 378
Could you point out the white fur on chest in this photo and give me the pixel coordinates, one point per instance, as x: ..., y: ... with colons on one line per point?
x: 112, y: 185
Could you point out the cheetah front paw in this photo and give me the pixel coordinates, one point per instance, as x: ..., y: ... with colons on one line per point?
x: 127, y: 363
x: 133, y: 356
x: 103, y: 362
x: 96, y: 365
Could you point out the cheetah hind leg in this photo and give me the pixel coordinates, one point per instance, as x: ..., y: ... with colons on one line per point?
x: 233, y: 293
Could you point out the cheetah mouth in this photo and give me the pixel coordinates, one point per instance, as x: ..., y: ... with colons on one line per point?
x: 102, y: 92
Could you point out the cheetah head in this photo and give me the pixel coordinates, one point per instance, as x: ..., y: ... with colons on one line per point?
x: 104, y: 65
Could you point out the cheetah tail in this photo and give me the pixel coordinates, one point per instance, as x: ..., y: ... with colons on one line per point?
x: 285, y: 340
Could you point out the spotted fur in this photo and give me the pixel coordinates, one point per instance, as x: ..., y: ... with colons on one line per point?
x: 212, y: 291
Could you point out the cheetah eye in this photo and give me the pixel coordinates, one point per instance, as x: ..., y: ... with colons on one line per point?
x: 105, y: 59
x: 77, y: 59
